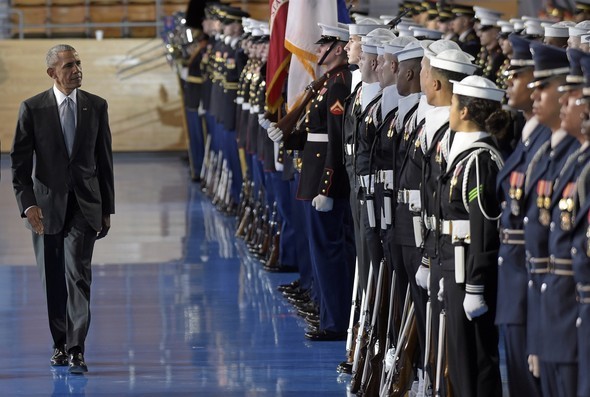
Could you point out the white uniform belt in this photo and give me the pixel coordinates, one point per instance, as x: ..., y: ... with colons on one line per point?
x: 403, y: 195
x: 255, y: 109
x: 457, y: 229
x: 315, y: 137
x: 512, y: 236
x: 246, y: 106
x: 557, y: 266
x: 349, y: 148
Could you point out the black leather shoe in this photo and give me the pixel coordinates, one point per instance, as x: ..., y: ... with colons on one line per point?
x: 59, y: 358
x: 77, y: 364
x: 344, y: 367
x: 290, y: 286
x: 312, y: 320
x: 323, y: 335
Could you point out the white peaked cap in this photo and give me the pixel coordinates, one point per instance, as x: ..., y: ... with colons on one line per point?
x: 361, y: 29
x: 478, y: 87
x: 454, y: 61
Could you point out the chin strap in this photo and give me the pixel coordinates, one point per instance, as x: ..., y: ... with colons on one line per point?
x: 327, y: 52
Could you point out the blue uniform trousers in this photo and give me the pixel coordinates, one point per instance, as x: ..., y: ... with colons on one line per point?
x: 282, y: 195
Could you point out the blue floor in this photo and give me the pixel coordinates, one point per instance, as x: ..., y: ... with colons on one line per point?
x: 207, y: 323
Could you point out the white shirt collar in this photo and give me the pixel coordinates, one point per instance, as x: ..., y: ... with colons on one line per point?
x: 60, y: 96
x: 370, y: 91
x: 406, y: 103
x: 389, y: 100
x: 435, y: 118
x: 529, y: 127
x: 423, y: 107
x: 557, y: 137
x: 462, y: 141
x: 356, y: 78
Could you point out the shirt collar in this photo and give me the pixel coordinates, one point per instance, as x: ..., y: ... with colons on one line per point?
x: 529, y: 127
x: 60, y: 96
x: 557, y: 137
x: 462, y: 141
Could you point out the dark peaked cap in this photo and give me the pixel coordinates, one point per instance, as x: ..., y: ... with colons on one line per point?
x: 550, y: 61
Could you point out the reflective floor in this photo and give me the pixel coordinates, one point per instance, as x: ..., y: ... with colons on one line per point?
x: 178, y: 307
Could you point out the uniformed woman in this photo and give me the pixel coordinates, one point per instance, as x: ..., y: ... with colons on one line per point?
x: 468, y: 237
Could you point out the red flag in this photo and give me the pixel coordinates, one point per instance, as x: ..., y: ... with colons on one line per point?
x: 278, y: 56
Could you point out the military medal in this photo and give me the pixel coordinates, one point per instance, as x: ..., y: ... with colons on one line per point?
x: 438, y: 157
x: 515, y: 191
x: 391, y: 127
x: 566, y: 205
x: 544, y: 189
x: 454, y: 181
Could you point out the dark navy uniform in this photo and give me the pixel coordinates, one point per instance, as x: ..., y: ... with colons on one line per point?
x: 465, y: 191
x: 323, y: 173
x: 512, y: 272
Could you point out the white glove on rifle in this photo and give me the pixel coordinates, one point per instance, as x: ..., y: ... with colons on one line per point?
x: 474, y: 305
x: 322, y: 203
x: 534, y: 365
x: 274, y: 133
x: 422, y: 277
x: 441, y: 289
x: 263, y: 121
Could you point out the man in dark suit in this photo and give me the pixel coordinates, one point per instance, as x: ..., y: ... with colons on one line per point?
x: 62, y: 172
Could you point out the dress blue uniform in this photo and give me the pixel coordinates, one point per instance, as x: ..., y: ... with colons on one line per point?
x: 323, y: 173
x: 512, y: 272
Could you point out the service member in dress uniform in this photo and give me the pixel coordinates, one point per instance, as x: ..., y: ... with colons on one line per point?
x: 551, y: 67
x: 581, y: 251
x: 468, y: 238
x: 491, y: 56
x: 559, y: 309
x: 323, y: 187
x: 512, y: 273
x: 462, y: 25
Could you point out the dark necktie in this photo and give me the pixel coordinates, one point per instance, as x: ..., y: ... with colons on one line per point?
x: 69, y: 124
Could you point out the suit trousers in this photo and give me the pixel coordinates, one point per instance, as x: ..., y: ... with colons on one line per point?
x: 521, y: 381
x: 64, y: 261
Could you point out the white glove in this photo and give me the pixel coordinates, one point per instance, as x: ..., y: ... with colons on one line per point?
x: 422, y: 276
x: 201, y: 111
x: 534, y: 367
x: 474, y: 305
x: 441, y: 289
x: 322, y: 203
x: 263, y: 121
x: 274, y: 133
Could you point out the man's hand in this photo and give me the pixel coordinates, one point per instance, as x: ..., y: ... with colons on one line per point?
x: 274, y: 133
x: 322, y: 203
x: 106, y: 225
x: 35, y: 216
x: 474, y: 305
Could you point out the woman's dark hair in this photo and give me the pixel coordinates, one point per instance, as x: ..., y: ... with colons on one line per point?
x: 487, y: 114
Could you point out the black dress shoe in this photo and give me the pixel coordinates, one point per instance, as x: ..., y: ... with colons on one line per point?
x: 290, y: 286
x: 59, y: 358
x: 77, y: 364
x: 324, y: 335
x: 281, y: 269
x: 312, y: 320
x: 344, y: 367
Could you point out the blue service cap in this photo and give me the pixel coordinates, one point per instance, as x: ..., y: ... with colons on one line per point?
x: 585, y: 65
x: 550, y: 61
x: 575, y: 76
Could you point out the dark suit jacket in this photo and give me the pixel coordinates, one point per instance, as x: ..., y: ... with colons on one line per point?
x: 88, y: 173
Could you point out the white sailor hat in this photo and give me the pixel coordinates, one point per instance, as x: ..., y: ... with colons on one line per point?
x: 506, y: 27
x: 369, y: 44
x: 478, y: 87
x: 332, y: 33
x: 383, y: 32
x: 482, y: 12
x: 453, y: 61
x: 420, y: 32
x: 580, y: 29
x: 361, y: 29
x: 585, y: 38
x: 432, y: 48
x: 560, y: 29
x: 365, y: 20
x: 398, y: 44
x: 412, y: 50
x: 488, y: 23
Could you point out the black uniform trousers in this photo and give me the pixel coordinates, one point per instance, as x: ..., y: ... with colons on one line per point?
x: 64, y: 261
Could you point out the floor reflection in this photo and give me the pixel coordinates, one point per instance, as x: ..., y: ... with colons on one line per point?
x: 205, y: 321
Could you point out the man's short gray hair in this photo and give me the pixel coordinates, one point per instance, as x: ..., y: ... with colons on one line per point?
x: 52, y: 57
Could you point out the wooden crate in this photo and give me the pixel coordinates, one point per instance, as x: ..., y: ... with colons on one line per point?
x: 105, y: 13
x: 65, y: 15
x: 32, y: 15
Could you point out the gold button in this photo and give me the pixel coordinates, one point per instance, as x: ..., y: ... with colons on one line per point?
x: 325, y: 182
x: 328, y: 173
x: 317, y: 155
x: 323, y: 190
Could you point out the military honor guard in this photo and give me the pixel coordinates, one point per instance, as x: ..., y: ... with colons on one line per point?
x: 550, y: 69
x: 512, y: 273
